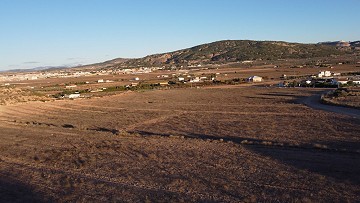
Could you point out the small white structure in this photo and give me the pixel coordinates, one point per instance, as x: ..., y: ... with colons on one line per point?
x: 137, y: 79
x: 70, y: 86
x: 197, y: 79
x: 356, y: 82
x: 100, y: 81
x: 164, y: 83
x: 181, y: 79
x: 343, y: 81
x: 324, y: 74
x: 255, y: 79
x: 74, y: 96
x: 283, y: 77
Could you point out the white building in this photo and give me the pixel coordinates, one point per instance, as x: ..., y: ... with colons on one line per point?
x: 197, y: 79
x: 357, y: 81
x: 255, y: 79
x: 342, y: 81
x: 74, y: 96
x: 324, y: 74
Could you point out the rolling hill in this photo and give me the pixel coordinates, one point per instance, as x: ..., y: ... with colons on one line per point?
x: 227, y: 51
x: 231, y: 51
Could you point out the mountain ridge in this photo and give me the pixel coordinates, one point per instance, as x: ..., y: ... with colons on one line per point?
x: 236, y: 50
x: 226, y: 51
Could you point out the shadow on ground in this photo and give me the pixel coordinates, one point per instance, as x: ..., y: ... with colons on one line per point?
x: 295, y: 98
x: 342, y: 166
x: 338, y: 163
x: 15, y: 191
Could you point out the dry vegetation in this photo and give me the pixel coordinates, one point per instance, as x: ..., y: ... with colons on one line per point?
x: 239, y: 144
x: 14, y: 95
x: 348, y: 97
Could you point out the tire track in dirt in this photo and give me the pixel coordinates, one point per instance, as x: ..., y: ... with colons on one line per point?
x: 17, y: 111
x: 74, y: 109
x: 152, y: 121
x: 189, y: 111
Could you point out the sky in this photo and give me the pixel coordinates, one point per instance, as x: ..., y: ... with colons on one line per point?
x: 40, y: 33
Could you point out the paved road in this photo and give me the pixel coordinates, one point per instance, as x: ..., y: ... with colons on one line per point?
x: 314, y: 102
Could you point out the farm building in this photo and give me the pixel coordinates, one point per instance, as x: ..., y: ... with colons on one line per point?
x: 324, y: 74
x: 74, y: 96
x: 255, y: 79
x: 164, y: 83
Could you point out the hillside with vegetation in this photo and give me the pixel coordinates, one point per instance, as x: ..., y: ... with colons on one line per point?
x: 231, y: 51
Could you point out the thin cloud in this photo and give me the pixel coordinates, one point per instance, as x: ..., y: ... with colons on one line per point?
x: 31, y: 62
x: 75, y: 58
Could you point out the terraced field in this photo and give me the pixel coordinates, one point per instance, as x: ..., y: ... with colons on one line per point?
x: 215, y: 145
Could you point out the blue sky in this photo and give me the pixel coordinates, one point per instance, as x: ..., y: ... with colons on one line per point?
x: 62, y: 32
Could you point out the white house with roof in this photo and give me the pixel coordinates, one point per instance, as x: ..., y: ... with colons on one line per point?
x: 324, y: 74
x: 255, y: 79
x: 74, y: 96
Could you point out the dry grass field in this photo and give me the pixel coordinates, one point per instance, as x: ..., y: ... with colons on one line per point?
x: 238, y: 144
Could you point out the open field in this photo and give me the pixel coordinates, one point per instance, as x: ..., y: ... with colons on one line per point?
x: 180, y: 145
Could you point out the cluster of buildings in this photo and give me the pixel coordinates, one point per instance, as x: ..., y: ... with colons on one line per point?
x: 335, y: 78
x: 325, y: 79
x: 42, y: 75
x: 12, y: 77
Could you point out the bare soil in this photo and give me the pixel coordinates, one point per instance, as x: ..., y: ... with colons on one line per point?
x: 240, y: 144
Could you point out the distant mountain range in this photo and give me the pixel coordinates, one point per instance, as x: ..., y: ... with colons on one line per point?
x: 43, y: 68
x: 232, y: 51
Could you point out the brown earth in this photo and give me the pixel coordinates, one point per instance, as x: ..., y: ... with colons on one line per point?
x: 240, y: 144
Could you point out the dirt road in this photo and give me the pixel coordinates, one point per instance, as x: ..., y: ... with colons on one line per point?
x: 314, y: 102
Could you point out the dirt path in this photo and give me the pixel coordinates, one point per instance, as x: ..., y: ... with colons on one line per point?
x: 314, y: 102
